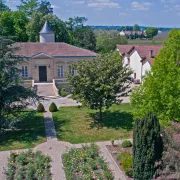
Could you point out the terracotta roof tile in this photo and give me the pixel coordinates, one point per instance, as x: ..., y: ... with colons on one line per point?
x: 143, y: 50
x: 52, y: 49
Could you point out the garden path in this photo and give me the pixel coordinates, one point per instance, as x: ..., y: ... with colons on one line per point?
x: 55, y: 149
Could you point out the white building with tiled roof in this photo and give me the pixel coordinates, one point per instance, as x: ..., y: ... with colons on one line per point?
x: 48, y: 61
x: 139, y: 58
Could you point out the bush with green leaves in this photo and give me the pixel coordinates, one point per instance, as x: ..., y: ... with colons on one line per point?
x: 147, y: 147
x: 126, y: 162
x: 40, y: 108
x: 28, y: 165
x: 85, y: 163
x: 126, y: 144
x: 53, y: 107
x: 63, y: 92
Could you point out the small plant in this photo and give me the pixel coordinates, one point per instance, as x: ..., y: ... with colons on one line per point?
x: 129, y: 172
x: 40, y: 108
x: 28, y: 166
x: 112, y: 142
x: 85, y: 163
x: 126, y: 144
x: 63, y: 92
x: 53, y: 107
x: 126, y: 161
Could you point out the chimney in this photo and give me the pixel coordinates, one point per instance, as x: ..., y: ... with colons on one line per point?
x: 151, y: 53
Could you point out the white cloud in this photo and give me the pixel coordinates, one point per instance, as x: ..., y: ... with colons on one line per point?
x: 79, y: 2
x: 123, y: 14
x: 103, y: 4
x: 55, y: 7
x: 141, y: 6
x: 177, y: 7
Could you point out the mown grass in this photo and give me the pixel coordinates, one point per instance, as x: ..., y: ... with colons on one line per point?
x: 80, y: 125
x: 29, y: 132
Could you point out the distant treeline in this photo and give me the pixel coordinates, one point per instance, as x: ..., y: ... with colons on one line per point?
x: 121, y: 27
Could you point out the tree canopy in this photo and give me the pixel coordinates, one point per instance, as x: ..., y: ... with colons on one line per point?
x: 57, y: 25
x: 160, y: 90
x: 106, y: 42
x: 13, y: 23
x: 136, y: 27
x: 3, y: 6
x: 13, y: 95
x: 80, y: 35
x: 100, y: 82
x: 151, y: 32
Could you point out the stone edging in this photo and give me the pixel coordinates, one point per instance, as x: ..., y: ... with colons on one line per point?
x: 115, y: 163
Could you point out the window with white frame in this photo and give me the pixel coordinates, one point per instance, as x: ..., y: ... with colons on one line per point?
x: 60, y: 71
x: 71, y: 70
x: 24, y: 71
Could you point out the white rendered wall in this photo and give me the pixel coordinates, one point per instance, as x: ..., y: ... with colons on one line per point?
x: 146, y: 67
x: 136, y: 65
x: 47, y: 38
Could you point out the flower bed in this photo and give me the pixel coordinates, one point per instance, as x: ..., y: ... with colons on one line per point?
x: 86, y: 164
x: 123, y: 158
x: 28, y: 165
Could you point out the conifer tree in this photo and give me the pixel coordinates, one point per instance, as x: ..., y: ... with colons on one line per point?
x: 147, y: 147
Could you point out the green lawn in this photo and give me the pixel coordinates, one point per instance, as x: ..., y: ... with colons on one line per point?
x: 78, y: 125
x: 30, y: 132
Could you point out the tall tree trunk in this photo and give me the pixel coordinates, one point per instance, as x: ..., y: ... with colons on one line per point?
x: 100, y: 113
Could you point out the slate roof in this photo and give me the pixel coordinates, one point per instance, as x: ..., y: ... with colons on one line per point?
x: 143, y: 50
x: 52, y: 49
x: 46, y: 29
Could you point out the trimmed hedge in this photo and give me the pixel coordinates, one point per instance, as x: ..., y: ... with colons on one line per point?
x: 40, y: 108
x: 126, y: 144
x: 53, y: 107
x: 63, y: 92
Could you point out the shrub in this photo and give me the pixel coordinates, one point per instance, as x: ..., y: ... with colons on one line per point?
x: 147, y: 147
x: 40, y: 108
x: 63, y: 92
x: 126, y: 144
x: 53, y: 107
x: 129, y: 172
x: 126, y: 161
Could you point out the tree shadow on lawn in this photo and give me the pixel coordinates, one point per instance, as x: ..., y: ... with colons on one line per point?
x: 113, y: 120
x: 59, y: 125
x: 29, y: 128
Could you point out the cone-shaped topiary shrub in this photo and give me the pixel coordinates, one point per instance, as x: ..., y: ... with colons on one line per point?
x: 53, y: 107
x: 147, y: 147
x: 40, y: 108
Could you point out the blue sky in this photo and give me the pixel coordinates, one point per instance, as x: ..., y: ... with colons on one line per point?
x: 164, y: 13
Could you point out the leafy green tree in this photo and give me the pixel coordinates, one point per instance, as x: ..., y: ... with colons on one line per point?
x: 13, y: 23
x: 28, y: 7
x: 3, y: 6
x: 13, y: 95
x: 151, y: 32
x: 85, y: 37
x: 100, y: 82
x: 160, y: 90
x: 80, y: 35
x: 107, y: 42
x: 57, y: 25
x: 147, y: 147
x: 45, y: 8
x: 136, y: 27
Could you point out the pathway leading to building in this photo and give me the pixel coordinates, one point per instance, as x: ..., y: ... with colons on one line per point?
x: 55, y: 149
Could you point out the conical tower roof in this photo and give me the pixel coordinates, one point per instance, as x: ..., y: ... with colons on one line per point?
x: 46, y: 29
